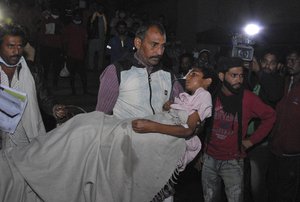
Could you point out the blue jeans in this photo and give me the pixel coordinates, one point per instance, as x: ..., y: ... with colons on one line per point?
x: 232, y: 174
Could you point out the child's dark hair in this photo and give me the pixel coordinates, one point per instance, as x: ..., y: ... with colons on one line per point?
x: 210, y: 73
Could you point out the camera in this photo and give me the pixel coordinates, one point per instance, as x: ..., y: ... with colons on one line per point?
x: 242, y: 47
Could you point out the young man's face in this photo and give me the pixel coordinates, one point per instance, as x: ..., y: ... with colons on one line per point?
x: 185, y: 64
x: 152, y: 47
x: 11, y: 49
x: 293, y: 63
x: 269, y: 63
x: 195, y: 80
x: 233, y: 79
x: 121, y: 29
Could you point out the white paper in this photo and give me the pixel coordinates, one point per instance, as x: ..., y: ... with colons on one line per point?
x: 12, y: 105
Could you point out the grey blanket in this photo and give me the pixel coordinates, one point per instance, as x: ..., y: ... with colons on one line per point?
x: 92, y: 157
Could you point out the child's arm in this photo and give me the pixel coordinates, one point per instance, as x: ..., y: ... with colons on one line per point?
x: 148, y: 126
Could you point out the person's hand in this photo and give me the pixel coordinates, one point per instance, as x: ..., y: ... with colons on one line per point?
x: 142, y: 125
x: 199, y: 163
x: 59, y: 111
x: 281, y: 68
x: 255, y: 65
x: 167, y: 106
x: 247, y: 144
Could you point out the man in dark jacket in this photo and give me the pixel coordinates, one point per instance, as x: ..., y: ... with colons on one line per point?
x: 285, y: 138
x: 269, y: 85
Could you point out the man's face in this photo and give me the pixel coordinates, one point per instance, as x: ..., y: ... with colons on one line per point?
x: 11, y: 49
x: 185, y: 64
x: 204, y: 56
x: 121, y: 29
x: 233, y: 79
x: 195, y: 80
x: 293, y: 64
x: 152, y: 47
x: 269, y: 63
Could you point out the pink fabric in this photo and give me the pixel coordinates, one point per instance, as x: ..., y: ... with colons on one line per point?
x: 193, y: 147
x: 200, y: 101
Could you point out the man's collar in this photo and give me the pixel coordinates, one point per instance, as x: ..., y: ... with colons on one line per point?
x: 8, y: 65
x: 18, y: 66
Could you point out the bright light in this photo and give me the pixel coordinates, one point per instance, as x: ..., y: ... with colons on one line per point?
x: 252, y: 29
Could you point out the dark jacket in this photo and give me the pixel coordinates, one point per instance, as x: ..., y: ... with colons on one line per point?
x: 45, y: 99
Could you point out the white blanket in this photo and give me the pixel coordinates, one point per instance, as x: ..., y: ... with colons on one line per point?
x: 92, y: 157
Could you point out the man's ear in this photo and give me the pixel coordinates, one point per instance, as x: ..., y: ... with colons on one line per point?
x: 137, y: 42
x: 221, y: 76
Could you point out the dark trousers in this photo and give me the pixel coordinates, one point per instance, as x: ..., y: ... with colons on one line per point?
x: 256, y: 174
x: 284, y: 179
x: 51, y: 59
x: 77, y: 66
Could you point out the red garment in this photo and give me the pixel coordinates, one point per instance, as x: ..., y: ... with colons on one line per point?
x: 75, y: 40
x: 51, y: 33
x: 285, y: 137
x: 223, y: 144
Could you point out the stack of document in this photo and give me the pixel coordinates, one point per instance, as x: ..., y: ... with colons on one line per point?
x: 12, y: 105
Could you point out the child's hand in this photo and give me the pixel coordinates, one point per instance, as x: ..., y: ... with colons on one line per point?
x: 142, y: 125
x: 255, y: 65
x: 167, y: 106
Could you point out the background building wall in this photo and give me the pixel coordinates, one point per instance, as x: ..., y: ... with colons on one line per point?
x: 199, y: 15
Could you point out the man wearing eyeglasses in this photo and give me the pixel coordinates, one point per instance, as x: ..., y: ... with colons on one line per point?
x: 226, y: 142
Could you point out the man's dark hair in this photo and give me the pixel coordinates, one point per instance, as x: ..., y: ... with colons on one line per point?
x: 211, y: 73
x: 12, y: 30
x: 226, y: 63
x: 141, y: 32
x: 271, y: 51
x: 294, y: 49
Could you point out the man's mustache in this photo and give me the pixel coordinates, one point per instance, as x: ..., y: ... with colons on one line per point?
x: 156, y: 57
x: 237, y: 84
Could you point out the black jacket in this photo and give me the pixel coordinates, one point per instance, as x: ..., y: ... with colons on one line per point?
x: 45, y: 99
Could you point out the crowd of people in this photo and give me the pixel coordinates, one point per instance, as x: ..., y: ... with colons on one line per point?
x: 158, y: 108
